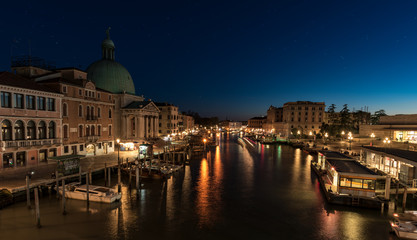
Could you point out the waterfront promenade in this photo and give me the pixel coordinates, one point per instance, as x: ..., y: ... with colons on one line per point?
x: 14, y: 180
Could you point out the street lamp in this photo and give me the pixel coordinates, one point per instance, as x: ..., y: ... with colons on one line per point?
x: 204, y: 141
x: 372, y: 139
x: 386, y: 141
x: 298, y: 134
x: 325, y: 136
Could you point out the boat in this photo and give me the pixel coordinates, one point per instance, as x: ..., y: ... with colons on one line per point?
x: 404, y: 225
x: 96, y: 193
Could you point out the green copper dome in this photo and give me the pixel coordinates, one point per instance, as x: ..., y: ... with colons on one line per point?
x: 108, y: 74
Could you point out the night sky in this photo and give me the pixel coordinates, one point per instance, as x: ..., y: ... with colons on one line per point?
x: 233, y: 58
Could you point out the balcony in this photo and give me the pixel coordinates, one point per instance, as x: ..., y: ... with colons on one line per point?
x: 91, y: 139
x: 30, y: 143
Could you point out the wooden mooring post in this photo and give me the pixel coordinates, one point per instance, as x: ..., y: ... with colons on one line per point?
x: 38, y: 215
x: 105, y: 174
x: 57, y: 184
x: 27, y: 191
x: 396, y: 194
x: 404, y: 197
x: 88, y: 189
x: 137, y: 178
x: 80, y: 177
x: 64, y: 210
x: 119, y: 177
x: 109, y: 178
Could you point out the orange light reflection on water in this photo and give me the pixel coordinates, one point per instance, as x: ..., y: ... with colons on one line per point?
x: 209, y: 190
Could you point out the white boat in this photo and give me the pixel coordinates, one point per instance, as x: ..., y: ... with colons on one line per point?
x: 404, y: 225
x: 96, y: 193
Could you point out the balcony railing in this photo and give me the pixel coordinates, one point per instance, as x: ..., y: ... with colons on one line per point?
x: 30, y: 143
x: 91, y: 139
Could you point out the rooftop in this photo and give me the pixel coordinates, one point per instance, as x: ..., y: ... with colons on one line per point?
x: 409, y: 155
x: 13, y: 80
x: 349, y: 166
x: 137, y: 104
x: 334, y: 155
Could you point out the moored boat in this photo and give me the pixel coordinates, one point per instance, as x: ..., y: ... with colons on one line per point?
x: 404, y: 225
x: 96, y: 193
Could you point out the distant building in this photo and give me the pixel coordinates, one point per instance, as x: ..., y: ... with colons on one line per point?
x: 230, y: 125
x: 30, y: 116
x: 168, y: 119
x: 400, y: 127
x: 256, y: 122
x: 185, y: 122
x: 304, y: 116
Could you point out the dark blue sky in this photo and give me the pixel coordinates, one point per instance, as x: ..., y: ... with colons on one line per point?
x: 233, y: 58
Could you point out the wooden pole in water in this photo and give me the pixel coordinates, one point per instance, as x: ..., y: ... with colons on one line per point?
x: 137, y: 178
x: 109, y: 178
x: 64, y: 210
x: 38, y: 216
x: 119, y: 178
x: 88, y: 189
x: 27, y: 191
x: 80, y: 176
x: 404, y: 197
x: 130, y: 176
x: 57, y: 184
x: 105, y: 174
x: 396, y: 194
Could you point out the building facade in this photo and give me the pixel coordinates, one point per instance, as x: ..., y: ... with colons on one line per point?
x: 168, y: 119
x: 31, y: 122
x: 304, y: 116
x: 185, y: 123
x: 256, y: 122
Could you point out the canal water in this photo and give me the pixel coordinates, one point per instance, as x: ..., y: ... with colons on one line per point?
x: 268, y: 192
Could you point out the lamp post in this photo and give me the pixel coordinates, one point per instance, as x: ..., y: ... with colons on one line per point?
x: 298, y: 134
x: 326, y: 135
x: 350, y: 142
x: 386, y: 141
x: 372, y: 139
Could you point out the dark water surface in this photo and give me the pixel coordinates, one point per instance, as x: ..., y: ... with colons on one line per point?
x: 233, y: 193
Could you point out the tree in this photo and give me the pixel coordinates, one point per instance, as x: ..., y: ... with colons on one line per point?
x: 345, y: 120
x: 375, y: 117
x: 332, y: 114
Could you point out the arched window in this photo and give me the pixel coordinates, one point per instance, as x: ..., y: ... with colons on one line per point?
x: 64, y: 110
x: 80, y: 131
x: 87, y: 130
x: 99, y: 130
x: 19, y: 130
x: 51, y: 129
x: 80, y: 110
x: 6, y: 130
x: 109, y: 113
x: 88, y: 112
x: 42, y: 130
x: 31, y: 130
x: 99, y: 112
x: 92, y: 112
x: 93, y: 131
x: 65, y: 130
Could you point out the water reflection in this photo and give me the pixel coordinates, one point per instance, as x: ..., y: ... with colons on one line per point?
x: 226, y: 194
x: 209, y: 189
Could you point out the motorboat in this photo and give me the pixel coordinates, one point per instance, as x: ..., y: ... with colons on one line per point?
x: 96, y: 193
x: 404, y: 225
